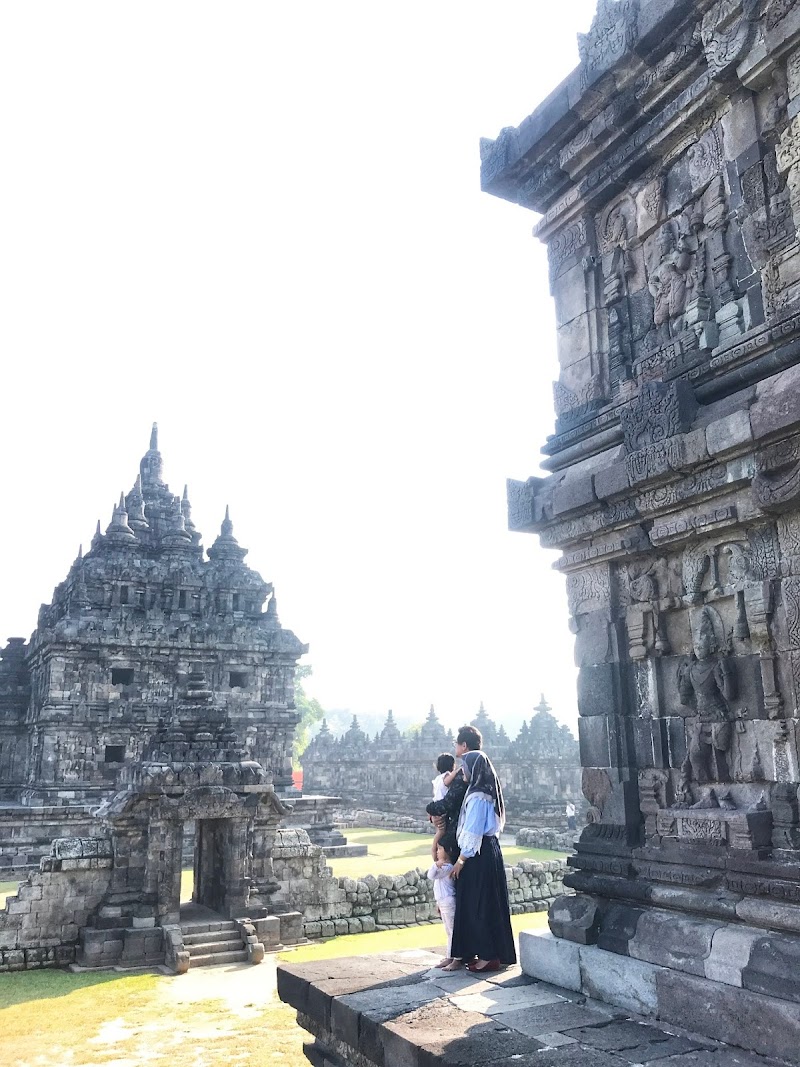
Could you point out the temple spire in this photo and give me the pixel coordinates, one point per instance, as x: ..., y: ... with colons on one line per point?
x: 119, y: 532
x: 226, y: 546
x: 151, y: 465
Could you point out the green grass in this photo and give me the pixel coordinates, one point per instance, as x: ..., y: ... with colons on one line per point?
x: 392, y: 852
x: 401, y: 940
x: 7, y: 889
x: 231, y: 1018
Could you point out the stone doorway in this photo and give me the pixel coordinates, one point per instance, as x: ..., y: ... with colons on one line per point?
x: 210, y: 866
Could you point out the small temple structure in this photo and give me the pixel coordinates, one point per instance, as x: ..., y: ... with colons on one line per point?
x: 147, y: 724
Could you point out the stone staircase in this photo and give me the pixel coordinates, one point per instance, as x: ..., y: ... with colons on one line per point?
x: 215, y: 941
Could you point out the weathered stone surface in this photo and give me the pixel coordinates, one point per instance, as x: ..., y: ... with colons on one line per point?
x: 730, y: 953
x: 628, y: 983
x: 540, y: 1019
x: 768, y: 1025
x: 575, y: 918
x: 675, y: 177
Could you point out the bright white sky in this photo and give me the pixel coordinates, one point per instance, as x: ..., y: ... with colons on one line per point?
x: 261, y: 225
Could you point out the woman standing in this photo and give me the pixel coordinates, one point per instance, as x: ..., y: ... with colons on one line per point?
x: 482, y: 935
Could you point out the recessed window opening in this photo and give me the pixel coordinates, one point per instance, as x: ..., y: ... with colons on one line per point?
x: 235, y: 601
x: 121, y: 675
x: 238, y: 680
x: 182, y: 598
x: 115, y: 754
x: 139, y: 598
x: 123, y: 594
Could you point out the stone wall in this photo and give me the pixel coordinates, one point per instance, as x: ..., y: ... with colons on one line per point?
x: 407, y: 824
x: 333, y: 906
x: 26, y: 834
x: 666, y: 173
x: 555, y: 840
x: 40, y: 925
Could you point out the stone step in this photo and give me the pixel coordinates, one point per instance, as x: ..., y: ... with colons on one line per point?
x: 206, y: 948
x: 208, y: 927
x: 219, y: 957
x: 203, y: 937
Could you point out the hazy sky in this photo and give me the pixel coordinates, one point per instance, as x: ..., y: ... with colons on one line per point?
x: 261, y: 225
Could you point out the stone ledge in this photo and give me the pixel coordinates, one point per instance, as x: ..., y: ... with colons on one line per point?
x: 415, y: 1016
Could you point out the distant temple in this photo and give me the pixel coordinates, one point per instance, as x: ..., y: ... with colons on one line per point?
x: 392, y: 772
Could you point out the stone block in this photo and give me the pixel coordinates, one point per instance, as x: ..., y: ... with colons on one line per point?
x: 777, y: 404
x: 611, y: 481
x: 730, y: 952
x: 773, y: 916
x: 598, y: 689
x: 729, y: 434
x: 774, y: 967
x: 740, y: 1017
x: 550, y: 959
x: 674, y: 941
x: 575, y: 918
x: 553, y: 1017
x: 595, y: 736
x: 573, y: 493
x: 620, y: 980
x: 618, y: 927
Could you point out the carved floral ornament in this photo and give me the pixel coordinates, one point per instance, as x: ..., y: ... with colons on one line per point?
x: 726, y: 32
x: 776, y: 486
x: 777, y: 10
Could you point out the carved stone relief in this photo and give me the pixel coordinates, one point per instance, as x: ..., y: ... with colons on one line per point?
x: 613, y: 32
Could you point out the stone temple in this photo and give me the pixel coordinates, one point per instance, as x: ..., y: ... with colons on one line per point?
x: 392, y: 772
x: 152, y: 710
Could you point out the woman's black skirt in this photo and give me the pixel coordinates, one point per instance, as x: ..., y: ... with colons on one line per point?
x: 482, y: 924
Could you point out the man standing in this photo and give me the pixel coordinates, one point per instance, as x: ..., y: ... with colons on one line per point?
x: 570, y: 813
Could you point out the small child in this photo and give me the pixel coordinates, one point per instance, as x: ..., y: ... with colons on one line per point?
x: 444, y: 889
x: 445, y: 765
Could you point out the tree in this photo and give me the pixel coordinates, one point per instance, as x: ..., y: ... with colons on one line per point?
x: 311, y: 712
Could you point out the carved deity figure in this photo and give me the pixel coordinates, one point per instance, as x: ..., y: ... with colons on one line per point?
x: 707, y: 683
x: 668, y: 281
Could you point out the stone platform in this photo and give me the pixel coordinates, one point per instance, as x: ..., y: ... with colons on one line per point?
x: 396, y: 1011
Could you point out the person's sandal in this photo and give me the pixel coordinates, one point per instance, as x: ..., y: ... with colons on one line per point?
x: 491, y: 965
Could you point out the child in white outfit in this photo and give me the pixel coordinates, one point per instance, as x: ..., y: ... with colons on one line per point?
x: 444, y: 889
x: 445, y: 766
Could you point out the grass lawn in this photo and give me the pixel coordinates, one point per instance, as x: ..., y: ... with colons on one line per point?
x: 211, y: 1017
x: 7, y: 889
x: 391, y: 852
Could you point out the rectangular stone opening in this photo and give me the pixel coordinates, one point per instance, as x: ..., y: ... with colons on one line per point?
x: 238, y: 680
x: 122, y: 675
x: 123, y: 594
x: 115, y: 754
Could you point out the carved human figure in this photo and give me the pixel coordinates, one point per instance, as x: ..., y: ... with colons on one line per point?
x: 707, y: 683
x: 667, y: 282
